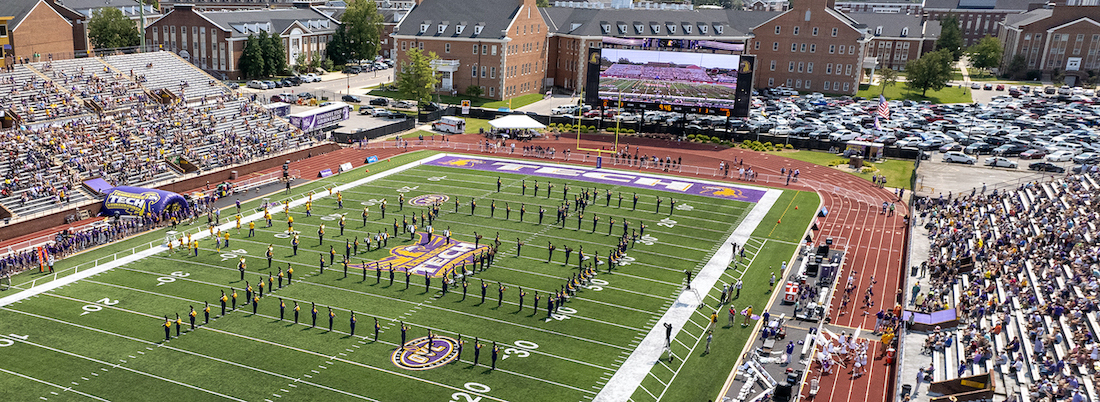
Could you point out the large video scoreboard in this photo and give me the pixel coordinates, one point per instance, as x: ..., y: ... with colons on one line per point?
x: 673, y: 81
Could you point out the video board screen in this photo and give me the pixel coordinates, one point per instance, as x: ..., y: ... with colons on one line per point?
x: 681, y: 81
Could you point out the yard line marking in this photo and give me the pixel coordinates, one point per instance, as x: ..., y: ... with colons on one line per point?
x: 175, y: 349
x: 629, y: 377
x: 291, y: 299
x: 127, y: 369
x: 580, y: 338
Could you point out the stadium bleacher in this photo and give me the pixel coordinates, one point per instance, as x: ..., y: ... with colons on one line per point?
x: 1028, y: 310
x: 120, y: 133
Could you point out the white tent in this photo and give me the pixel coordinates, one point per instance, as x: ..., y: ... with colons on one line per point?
x: 516, y: 121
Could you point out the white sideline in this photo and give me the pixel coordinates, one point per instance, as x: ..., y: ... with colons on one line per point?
x: 46, y: 287
x: 648, y: 353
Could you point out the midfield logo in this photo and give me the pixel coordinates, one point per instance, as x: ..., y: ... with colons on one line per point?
x: 433, y: 257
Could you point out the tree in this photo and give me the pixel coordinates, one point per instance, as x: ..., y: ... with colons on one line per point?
x: 363, y: 23
x: 950, y: 37
x: 267, y: 51
x: 473, y: 90
x: 931, y: 71
x: 887, y: 77
x: 542, y: 3
x: 1017, y: 68
x: 252, y: 58
x: 337, y: 48
x: 417, y: 79
x: 109, y: 29
x: 277, y: 58
x: 986, y: 54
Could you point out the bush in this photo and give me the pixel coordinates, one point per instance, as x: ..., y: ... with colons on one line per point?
x: 327, y: 65
x: 788, y: 146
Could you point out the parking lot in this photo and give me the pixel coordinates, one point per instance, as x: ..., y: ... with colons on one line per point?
x: 935, y: 176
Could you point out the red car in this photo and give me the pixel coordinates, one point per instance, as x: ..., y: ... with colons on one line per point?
x: 1033, y: 154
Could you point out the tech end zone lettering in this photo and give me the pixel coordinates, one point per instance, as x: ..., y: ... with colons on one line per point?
x: 603, y: 176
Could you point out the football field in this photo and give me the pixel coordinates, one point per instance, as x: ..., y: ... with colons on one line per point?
x: 102, y: 337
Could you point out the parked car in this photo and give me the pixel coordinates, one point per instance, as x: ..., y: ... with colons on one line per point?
x: 978, y: 148
x: 286, y: 82
x: 999, y: 161
x: 987, y: 87
x: 392, y: 115
x: 975, y: 86
x: 352, y: 70
x: 372, y: 111
x: 1009, y: 149
x: 402, y: 105
x: 380, y: 102
x: 295, y: 79
x: 311, y: 77
x: 958, y: 157
x: 1000, y: 87
x: 284, y: 97
x: 351, y: 98
x: 1087, y: 157
x: 306, y: 96
x: 1033, y: 154
x: 1046, y: 167
x: 954, y: 146
x: 256, y: 84
x: 1059, y: 156
x: 272, y: 84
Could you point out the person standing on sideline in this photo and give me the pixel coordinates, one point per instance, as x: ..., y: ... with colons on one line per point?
x: 192, y: 315
x: 296, y: 310
x: 710, y: 336
x: 668, y: 334
x: 167, y: 328
x: 738, y: 287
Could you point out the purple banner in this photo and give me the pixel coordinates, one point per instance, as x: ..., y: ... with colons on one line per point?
x: 583, y: 173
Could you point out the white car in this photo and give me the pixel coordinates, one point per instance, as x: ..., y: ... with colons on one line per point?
x: 311, y: 77
x: 1059, y: 156
x: 1086, y: 157
x: 379, y: 111
x: 257, y: 84
x: 997, y: 161
x: 958, y: 157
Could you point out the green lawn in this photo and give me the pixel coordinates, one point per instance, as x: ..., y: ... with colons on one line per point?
x: 897, y: 171
x: 900, y: 91
x: 517, y: 102
x: 117, y: 316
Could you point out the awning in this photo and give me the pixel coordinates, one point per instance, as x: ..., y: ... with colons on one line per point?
x: 516, y: 121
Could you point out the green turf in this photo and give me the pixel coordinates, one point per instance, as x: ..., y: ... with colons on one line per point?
x: 898, y: 172
x: 116, y: 316
x: 699, y: 378
x: 899, y: 91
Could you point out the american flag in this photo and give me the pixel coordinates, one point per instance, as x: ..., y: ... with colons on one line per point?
x: 883, y: 107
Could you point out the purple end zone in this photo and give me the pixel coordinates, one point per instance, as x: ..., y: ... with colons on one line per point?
x: 583, y: 173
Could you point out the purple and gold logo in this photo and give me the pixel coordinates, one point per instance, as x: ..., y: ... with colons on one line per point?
x: 419, y: 355
x: 428, y: 256
x: 428, y: 200
x: 723, y: 192
x: 464, y: 162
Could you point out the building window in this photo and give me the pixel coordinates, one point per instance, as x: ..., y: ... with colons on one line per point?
x: 403, y: 44
x: 832, y: 49
x: 826, y: 85
x: 847, y: 70
x: 803, y: 48
x: 183, y: 30
x: 4, y: 30
x: 789, y: 82
x: 845, y: 86
x: 834, y: 32
x: 475, y: 49
x: 829, y: 69
x: 775, y: 46
x: 813, y: 31
x: 795, y: 30
x: 810, y: 68
x: 484, y: 71
x: 798, y: 84
x: 813, y: 48
x: 790, y: 66
x: 851, y: 49
x: 492, y: 91
x: 807, y: 84
x: 492, y: 72
x: 800, y: 65
x: 794, y: 47
x: 771, y: 82
x: 473, y: 72
x: 494, y: 50
x: 756, y: 46
x: 446, y: 48
x: 421, y: 45
x: 773, y: 65
x: 777, y: 29
x: 484, y: 49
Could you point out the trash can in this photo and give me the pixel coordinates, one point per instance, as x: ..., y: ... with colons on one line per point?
x: 906, y: 389
x: 913, y: 271
x: 233, y: 175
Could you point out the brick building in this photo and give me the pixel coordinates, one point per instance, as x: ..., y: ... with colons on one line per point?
x: 911, y: 7
x: 574, y: 30
x: 898, y: 38
x: 37, y: 30
x: 1065, y: 38
x: 498, y: 45
x: 811, y: 47
x: 214, y: 40
x: 977, y: 18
